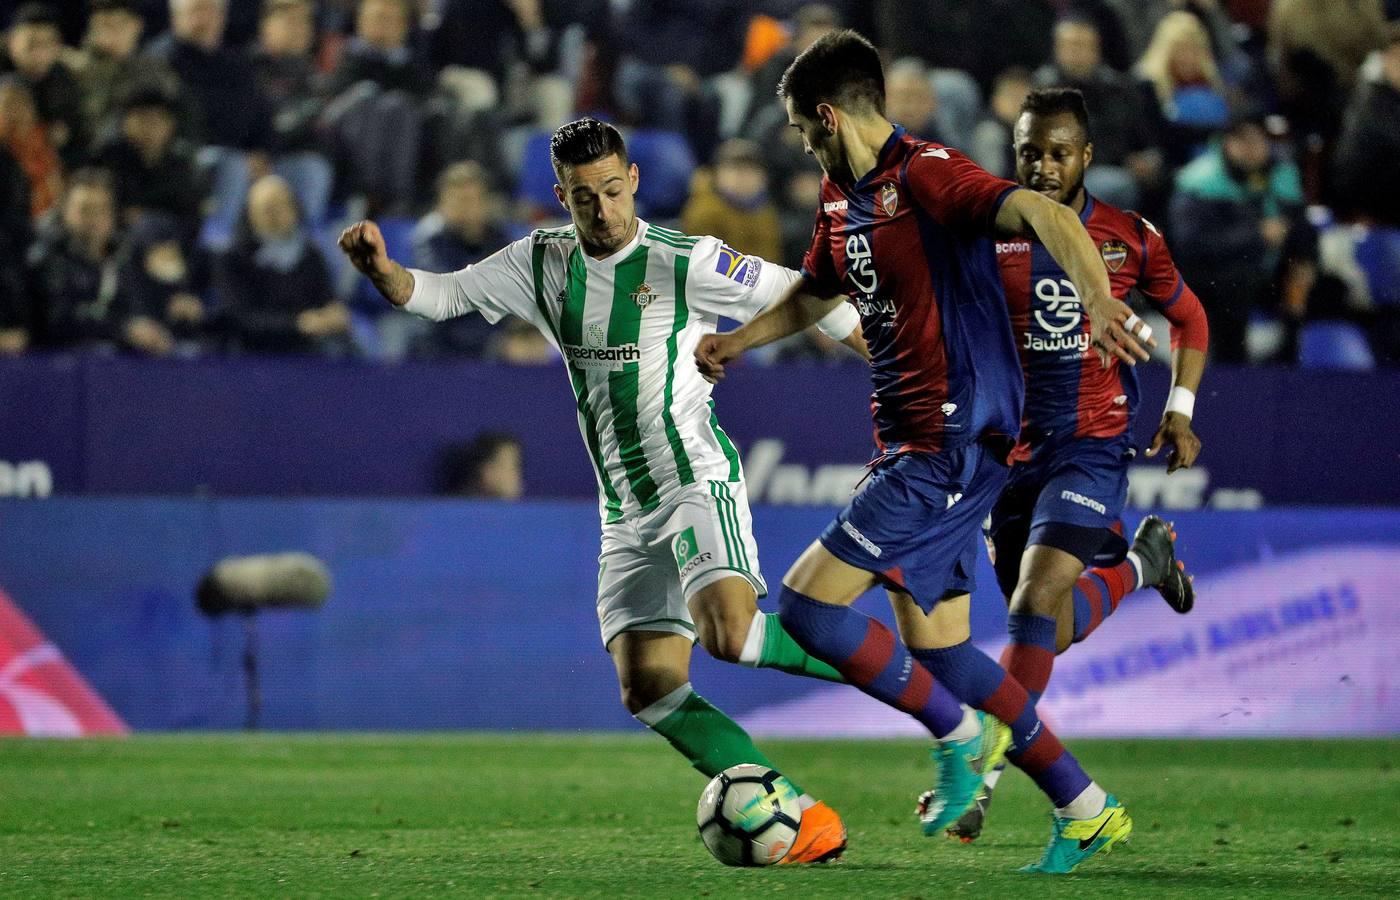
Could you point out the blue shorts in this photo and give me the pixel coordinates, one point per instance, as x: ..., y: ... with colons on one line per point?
x: 916, y: 524
x: 1069, y: 496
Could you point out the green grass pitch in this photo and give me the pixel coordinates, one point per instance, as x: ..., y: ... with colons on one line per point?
x: 587, y: 815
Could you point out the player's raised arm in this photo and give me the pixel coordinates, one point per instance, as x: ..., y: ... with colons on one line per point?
x: 1116, y: 329
x: 364, y: 245
x: 795, y: 310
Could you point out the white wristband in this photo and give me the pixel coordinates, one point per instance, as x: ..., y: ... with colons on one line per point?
x: 1181, y: 401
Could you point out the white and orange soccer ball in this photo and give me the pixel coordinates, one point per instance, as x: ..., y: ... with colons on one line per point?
x: 749, y: 816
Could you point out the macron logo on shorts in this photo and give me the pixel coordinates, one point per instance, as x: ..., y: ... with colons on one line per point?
x: 861, y: 539
x: 1082, y: 500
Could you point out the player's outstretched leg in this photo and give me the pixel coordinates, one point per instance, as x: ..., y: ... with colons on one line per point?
x: 874, y: 660
x: 1154, y: 549
x: 652, y: 669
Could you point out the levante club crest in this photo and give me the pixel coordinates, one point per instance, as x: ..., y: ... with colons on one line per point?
x: 1115, y: 253
x: 643, y: 295
x: 889, y: 199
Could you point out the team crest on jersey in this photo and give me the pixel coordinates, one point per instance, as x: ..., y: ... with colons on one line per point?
x: 889, y: 199
x: 643, y: 295
x: 1115, y: 253
x: 737, y: 267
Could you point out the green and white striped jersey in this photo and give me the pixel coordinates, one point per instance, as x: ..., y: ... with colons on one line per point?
x: 627, y: 327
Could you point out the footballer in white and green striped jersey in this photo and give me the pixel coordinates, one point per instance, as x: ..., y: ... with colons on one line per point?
x: 626, y: 303
x: 627, y: 326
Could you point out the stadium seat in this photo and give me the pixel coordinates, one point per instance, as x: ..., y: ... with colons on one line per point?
x: 1338, y: 346
x: 535, y: 180
x: 1378, y: 256
x: 666, y: 164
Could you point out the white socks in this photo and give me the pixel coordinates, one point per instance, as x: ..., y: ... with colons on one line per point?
x: 968, y: 728
x: 753, y: 644
x: 1088, y: 804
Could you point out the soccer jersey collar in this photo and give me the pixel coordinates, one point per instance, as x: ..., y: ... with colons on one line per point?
x: 1088, y: 209
x: 883, y: 159
x: 618, y: 255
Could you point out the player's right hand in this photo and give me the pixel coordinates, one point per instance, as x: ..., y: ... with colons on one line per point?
x: 363, y: 243
x: 1121, y: 334
x: 714, y: 351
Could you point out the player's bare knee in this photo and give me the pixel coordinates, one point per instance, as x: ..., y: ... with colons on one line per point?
x: 1037, y: 599
x: 723, y: 632
x: 641, y: 688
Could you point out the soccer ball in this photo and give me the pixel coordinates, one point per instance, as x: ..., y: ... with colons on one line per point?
x: 748, y: 815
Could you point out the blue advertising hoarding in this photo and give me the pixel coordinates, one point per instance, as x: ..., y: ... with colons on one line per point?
x: 470, y: 614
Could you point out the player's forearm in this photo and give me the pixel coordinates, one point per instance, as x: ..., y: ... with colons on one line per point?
x: 1188, y: 368
x: 394, y: 282
x: 795, y: 311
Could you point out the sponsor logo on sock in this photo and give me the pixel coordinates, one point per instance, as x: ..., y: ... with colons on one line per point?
x: 861, y: 539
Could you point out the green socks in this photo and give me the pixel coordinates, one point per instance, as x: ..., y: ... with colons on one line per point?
x: 770, y: 647
x: 709, y: 739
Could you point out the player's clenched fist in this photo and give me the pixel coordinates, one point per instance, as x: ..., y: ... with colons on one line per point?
x: 713, y: 352
x: 364, y: 245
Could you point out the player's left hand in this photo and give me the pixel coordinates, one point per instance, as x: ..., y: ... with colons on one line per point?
x: 1121, y: 334
x: 1176, y: 431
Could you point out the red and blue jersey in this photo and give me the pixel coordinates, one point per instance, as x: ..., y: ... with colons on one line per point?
x: 1068, y: 391
x: 911, y: 245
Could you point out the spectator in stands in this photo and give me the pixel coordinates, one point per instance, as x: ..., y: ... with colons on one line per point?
x: 1239, y: 233
x: 73, y: 270
x: 462, y: 229
x: 730, y: 200
x: 519, y: 343
x: 991, y: 140
x: 1180, y: 67
x: 33, y: 46
x: 518, y: 63
x: 489, y: 466
x: 285, y: 68
x: 109, y: 63
x: 1316, y: 48
x: 228, y: 119
x: 1127, y: 159
x: 377, y: 113
x: 159, y: 281
x: 911, y: 101
x: 15, y: 231
x: 1367, y: 174
x: 810, y: 22
x: 153, y: 169
x: 274, y: 281
x: 672, y: 54
x: 27, y: 141
x: 955, y: 34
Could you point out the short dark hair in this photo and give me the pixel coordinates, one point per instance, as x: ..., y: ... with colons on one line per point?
x: 460, y: 464
x: 35, y: 14
x: 583, y: 141
x: 1056, y: 100
x: 840, y: 67
x: 93, y: 177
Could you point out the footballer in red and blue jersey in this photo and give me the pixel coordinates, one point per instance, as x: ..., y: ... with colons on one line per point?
x: 911, y: 245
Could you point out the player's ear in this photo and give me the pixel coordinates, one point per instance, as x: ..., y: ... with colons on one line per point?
x: 1088, y: 154
x: 826, y: 114
x: 633, y: 175
x: 559, y: 195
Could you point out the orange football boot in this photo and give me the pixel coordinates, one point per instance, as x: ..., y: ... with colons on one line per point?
x: 821, y: 837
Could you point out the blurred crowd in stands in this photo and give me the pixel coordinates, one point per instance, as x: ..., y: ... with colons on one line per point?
x: 174, y: 173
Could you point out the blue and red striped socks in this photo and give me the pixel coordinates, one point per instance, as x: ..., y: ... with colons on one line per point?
x: 977, y: 680
x: 1030, y: 657
x: 870, y: 657
x: 1097, y: 594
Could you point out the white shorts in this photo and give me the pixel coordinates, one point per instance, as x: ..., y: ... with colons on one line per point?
x: 651, y: 565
